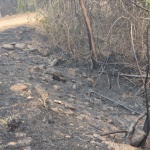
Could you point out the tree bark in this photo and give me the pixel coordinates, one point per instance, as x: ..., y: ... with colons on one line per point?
x: 90, y: 35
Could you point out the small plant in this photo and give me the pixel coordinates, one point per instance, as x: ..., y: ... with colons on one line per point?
x: 4, y: 122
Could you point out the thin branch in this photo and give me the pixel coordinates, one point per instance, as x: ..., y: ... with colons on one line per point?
x: 133, y: 125
x: 115, y: 102
x: 108, y: 133
x: 135, y: 53
x: 139, y: 6
x: 134, y: 76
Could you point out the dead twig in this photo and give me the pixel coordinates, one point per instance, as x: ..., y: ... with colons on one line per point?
x: 135, y: 53
x: 108, y: 133
x: 134, y: 76
x: 139, y: 6
x: 132, y: 127
x: 115, y: 102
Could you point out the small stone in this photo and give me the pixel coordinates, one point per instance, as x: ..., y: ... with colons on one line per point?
x: 81, y: 84
x: 44, y: 52
x: 20, y: 46
x: 74, y: 87
x: 69, y: 106
x: 109, y: 120
x: 110, y: 108
x: 30, y: 97
x: 72, y: 96
x: 71, y: 100
x: 74, y: 72
x: 27, y: 148
x: 137, y: 137
x: 71, y: 124
x: 11, y: 53
x: 32, y: 48
x: 55, y: 110
x: 54, y: 63
x: 57, y: 101
x: 69, y: 112
x: 18, y: 87
x: 8, y: 46
x: 25, y: 141
x: 90, y: 82
x: 84, y: 74
x: 92, y: 142
x: 5, y: 54
x: 74, y: 81
x: 68, y: 136
x: 56, y: 87
x: 104, y: 108
x: 12, y: 144
x: 20, y: 134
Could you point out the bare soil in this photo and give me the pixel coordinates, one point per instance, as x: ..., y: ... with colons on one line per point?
x: 32, y: 126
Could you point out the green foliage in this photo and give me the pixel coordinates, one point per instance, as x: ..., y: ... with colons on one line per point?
x: 147, y: 4
x: 21, y: 6
x: 44, y: 22
x: 26, y: 5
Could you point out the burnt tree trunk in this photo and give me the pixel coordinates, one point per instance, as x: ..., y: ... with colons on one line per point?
x: 90, y: 35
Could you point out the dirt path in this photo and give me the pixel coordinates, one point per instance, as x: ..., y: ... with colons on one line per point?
x: 16, y: 20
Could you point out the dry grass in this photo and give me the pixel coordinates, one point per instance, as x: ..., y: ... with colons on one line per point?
x: 111, y: 24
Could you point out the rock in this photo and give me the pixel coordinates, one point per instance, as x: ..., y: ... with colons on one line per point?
x: 55, y: 62
x: 5, y: 54
x: 69, y: 112
x: 44, y: 52
x: 109, y: 120
x: 83, y: 117
x: 74, y: 72
x: 20, y: 134
x: 69, y: 106
x: 32, y: 48
x: 74, y: 81
x: 90, y: 82
x: 58, y: 102
x: 92, y: 142
x: 55, y: 110
x: 56, y: 87
x: 84, y: 75
x: 8, y: 46
x: 20, y: 46
x: 137, y: 137
x: 72, y: 96
x: 42, y: 67
x: 50, y: 70
x: 111, y: 145
x: 74, y: 87
x: 104, y: 108
x: 110, y: 108
x: 68, y: 136
x: 18, y: 87
x: 57, y: 75
x: 27, y: 148
x: 71, y: 100
x: 11, y: 53
x: 12, y: 144
x: 25, y: 141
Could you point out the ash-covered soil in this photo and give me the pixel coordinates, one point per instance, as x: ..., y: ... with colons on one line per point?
x: 44, y: 112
